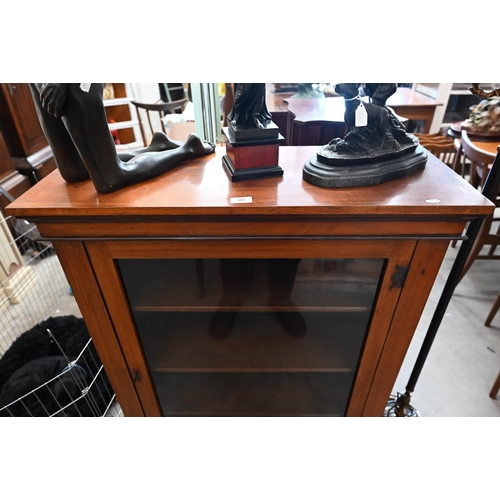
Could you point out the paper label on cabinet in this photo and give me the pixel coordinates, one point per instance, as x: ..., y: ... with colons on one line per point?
x: 241, y: 199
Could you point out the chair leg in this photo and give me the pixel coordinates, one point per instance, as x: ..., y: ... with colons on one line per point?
x: 457, y: 162
x: 462, y: 167
x: 472, y: 257
x: 474, y: 177
x: 478, y: 245
x: 493, y: 311
x: 495, y: 388
x: 494, y: 247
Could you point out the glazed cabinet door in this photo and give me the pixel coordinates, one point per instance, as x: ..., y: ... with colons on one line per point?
x: 251, y: 328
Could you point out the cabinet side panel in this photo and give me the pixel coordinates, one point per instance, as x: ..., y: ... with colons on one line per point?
x: 80, y: 274
x: 423, y: 271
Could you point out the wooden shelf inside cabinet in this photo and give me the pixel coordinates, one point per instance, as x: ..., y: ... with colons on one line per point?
x: 182, y: 342
x: 116, y: 101
x: 307, y: 297
x: 196, y: 286
x: 255, y: 309
x: 121, y: 116
x: 123, y: 125
x: 144, y: 264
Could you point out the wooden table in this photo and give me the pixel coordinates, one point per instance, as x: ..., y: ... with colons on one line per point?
x: 489, y: 146
x: 414, y: 106
x: 316, y: 121
x: 131, y: 257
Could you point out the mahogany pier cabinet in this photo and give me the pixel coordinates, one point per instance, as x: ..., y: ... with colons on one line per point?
x: 262, y: 297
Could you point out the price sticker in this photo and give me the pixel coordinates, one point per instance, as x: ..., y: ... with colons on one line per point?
x: 361, y: 116
x: 241, y: 199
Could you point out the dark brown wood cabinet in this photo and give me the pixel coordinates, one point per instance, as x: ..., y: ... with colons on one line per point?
x: 264, y: 297
x: 11, y: 181
x: 31, y: 155
x: 20, y: 123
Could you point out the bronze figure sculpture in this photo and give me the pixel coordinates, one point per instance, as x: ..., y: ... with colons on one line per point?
x: 252, y: 137
x: 74, y: 122
x: 249, y: 106
x: 376, y: 147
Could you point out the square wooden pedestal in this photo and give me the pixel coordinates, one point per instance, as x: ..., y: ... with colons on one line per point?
x: 251, y: 159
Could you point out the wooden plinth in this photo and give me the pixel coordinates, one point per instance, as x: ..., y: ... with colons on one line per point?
x: 252, y: 159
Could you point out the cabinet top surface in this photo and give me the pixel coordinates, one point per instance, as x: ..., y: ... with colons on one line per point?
x: 201, y: 187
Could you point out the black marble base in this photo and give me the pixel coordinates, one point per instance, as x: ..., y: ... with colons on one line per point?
x: 335, y: 159
x: 320, y: 174
x: 251, y: 133
x: 244, y: 174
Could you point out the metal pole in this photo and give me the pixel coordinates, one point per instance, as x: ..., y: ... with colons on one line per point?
x: 490, y: 190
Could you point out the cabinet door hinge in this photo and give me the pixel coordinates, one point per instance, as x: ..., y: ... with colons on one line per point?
x: 399, y: 277
x: 136, y: 376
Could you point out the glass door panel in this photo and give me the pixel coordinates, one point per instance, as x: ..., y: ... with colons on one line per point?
x: 252, y: 336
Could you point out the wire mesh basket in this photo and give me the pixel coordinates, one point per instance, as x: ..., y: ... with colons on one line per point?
x: 79, y: 389
x: 43, y: 370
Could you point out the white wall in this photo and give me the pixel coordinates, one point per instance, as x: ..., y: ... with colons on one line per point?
x: 148, y: 93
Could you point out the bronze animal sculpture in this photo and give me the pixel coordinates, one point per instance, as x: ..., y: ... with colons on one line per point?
x: 382, y: 134
x: 376, y: 147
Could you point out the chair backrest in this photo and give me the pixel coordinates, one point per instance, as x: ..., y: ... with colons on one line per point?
x: 479, y: 159
x: 159, y: 107
x: 170, y: 92
x: 440, y: 146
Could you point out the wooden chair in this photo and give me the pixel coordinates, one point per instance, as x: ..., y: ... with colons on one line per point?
x: 160, y: 107
x: 480, y: 163
x: 493, y: 311
x: 459, y: 163
x: 170, y: 92
x: 439, y: 145
x: 495, y: 388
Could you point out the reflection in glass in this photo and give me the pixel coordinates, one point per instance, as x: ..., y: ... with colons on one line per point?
x: 252, y: 336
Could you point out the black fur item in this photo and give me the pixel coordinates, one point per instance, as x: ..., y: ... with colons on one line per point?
x: 34, y: 359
